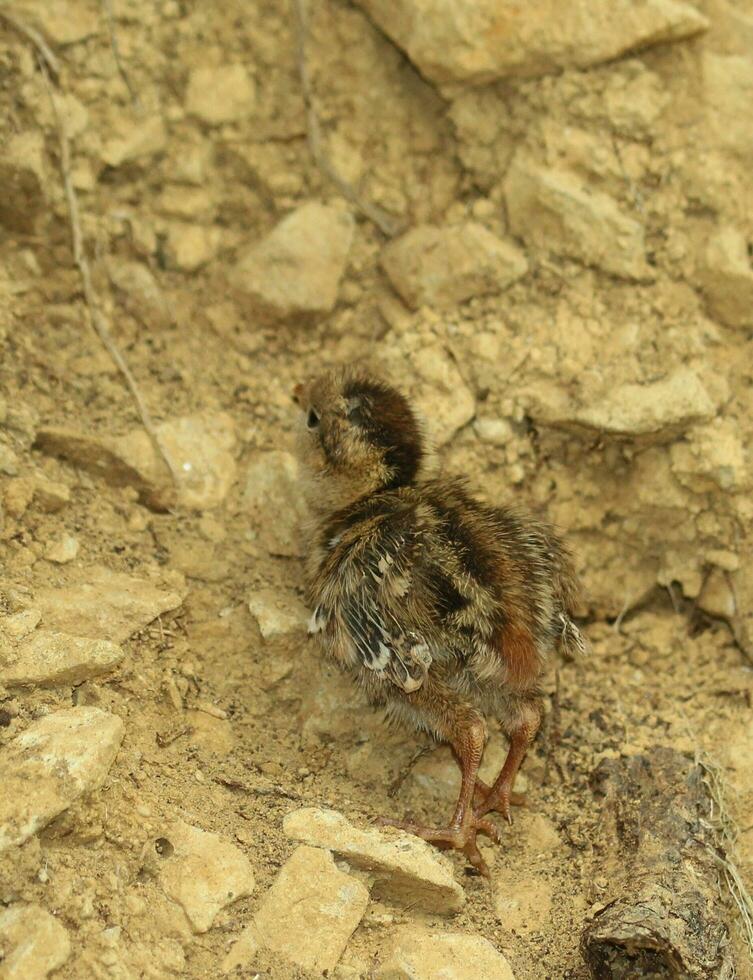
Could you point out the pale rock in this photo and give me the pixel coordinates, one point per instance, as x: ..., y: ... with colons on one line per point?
x: 189, y: 203
x: 488, y: 39
x: 296, y: 270
x: 61, y: 23
x: 32, y: 943
x: 442, y: 267
x: 486, y: 346
x: 50, y: 765
x: 83, y: 177
x: 63, y: 550
x: 23, y: 178
x: 223, y: 94
x: 728, y: 89
x: 497, y: 432
x: 277, y: 614
x: 552, y: 210
x: 21, y: 623
x: 654, y: 409
x: 717, y: 597
x: 634, y: 98
x: 191, y: 163
x: 198, y: 446
x: 103, y: 604
x: 439, y: 392
x: 203, y: 874
x: 190, y: 246
x: 19, y: 493
x: 574, y: 150
x: 20, y: 416
x: 307, y: 916
x: 485, y: 140
x: 726, y: 277
x: 47, y: 658
x: 51, y: 496
x: 8, y: 461
x: 416, y: 953
x: 200, y: 449
x: 135, y: 140
x: 274, y: 501
x: 405, y: 869
x: 722, y: 558
x: 711, y: 458
x: 74, y: 114
x: 139, y: 292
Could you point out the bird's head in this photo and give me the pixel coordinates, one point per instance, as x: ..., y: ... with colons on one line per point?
x: 358, y: 436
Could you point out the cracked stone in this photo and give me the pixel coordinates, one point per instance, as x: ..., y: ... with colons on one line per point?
x: 55, y: 761
x: 405, y: 868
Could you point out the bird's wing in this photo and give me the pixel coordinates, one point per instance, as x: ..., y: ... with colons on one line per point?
x: 374, y: 605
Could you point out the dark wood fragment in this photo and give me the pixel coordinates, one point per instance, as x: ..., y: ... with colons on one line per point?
x: 663, y: 914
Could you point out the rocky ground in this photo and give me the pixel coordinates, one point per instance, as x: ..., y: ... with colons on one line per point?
x: 560, y: 275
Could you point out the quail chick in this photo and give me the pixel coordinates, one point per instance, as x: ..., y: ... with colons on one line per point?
x: 443, y: 610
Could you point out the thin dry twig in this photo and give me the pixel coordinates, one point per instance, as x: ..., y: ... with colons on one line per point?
x: 36, y: 39
x: 397, y: 782
x: 617, y: 624
x: 163, y: 739
x: 79, y: 257
x: 240, y: 786
x: 374, y: 213
x: 725, y: 855
x: 107, y: 5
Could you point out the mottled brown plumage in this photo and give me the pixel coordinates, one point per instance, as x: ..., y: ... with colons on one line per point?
x: 444, y: 610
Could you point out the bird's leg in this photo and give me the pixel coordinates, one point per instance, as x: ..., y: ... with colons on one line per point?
x: 501, y: 796
x: 482, y: 790
x: 467, y: 738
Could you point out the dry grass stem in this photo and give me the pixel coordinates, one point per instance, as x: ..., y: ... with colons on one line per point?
x: 43, y: 48
x: 376, y: 215
x: 726, y: 854
x: 82, y: 263
x: 107, y: 5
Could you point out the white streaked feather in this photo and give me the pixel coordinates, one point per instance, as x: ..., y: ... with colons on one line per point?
x: 317, y: 622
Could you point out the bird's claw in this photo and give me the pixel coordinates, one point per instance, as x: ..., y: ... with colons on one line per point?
x: 499, y: 802
x: 455, y: 837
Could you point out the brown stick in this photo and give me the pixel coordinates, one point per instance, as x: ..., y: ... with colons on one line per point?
x: 662, y: 915
x: 375, y: 214
x: 79, y: 257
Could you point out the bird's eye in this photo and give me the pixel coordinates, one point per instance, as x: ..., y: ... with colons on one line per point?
x: 312, y: 419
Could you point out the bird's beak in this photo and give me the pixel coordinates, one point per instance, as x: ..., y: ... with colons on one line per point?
x: 298, y: 394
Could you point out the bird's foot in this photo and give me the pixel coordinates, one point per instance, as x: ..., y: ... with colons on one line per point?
x: 457, y: 837
x: 485, y: 799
